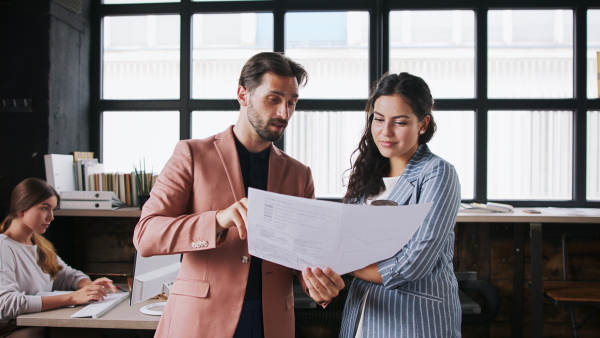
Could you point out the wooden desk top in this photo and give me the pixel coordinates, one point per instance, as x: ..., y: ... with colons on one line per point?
x: 547, y: 215
x: 123, y: 212
x: 121, y: 316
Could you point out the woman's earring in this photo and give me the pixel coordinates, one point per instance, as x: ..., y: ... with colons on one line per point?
x: 421, y: 132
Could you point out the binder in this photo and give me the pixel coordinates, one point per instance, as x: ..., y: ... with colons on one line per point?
x: 59, y: 171
x: 97, y: 205
x: 88, y: 195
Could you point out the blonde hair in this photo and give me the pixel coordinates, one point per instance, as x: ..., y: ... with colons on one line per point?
x: 27, y: 194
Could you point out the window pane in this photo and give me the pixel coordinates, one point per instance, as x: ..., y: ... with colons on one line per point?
x: 129, y: 137
x: 530, y: 54
x: 141, y: 57
x: 454, y: 141
x: 228, y: 0
x: 208, y: 123
x: 593, y: 155
x: 437, y: 46
x: 324, y: 141
x: 218, y: 58
x: 333, y: 48
x: 530, y: 155
x: 593, y: 54
x: 135, y: 1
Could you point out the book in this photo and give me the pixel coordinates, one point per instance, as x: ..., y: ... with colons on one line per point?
x: 88, y: 195
x: 134, y: 190
x: 77, y: 155
x: 487, y: 207
x: 75, y: 204
x: 499, y: 207
x: 79, y: 167
x: 59, y: 171
x: 92, y: 181
x: 127, y: 189
x: 471, y: 209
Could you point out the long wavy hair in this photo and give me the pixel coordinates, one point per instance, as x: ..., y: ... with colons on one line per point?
x: 369, y: 168
x: 31, y: 192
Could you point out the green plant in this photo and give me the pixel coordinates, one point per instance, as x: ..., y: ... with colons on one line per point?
x: 143, y: 179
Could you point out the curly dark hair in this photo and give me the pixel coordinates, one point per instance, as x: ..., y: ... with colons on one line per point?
x: 367, y: 172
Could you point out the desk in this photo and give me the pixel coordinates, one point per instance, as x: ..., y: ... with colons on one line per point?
x: 122, y: 212
x: 535, y: 221
x: 121, y: 316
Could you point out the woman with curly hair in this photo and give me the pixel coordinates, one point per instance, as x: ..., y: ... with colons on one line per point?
x: 414, y: 293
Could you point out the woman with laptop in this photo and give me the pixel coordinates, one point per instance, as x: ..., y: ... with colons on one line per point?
x: 29, y: 264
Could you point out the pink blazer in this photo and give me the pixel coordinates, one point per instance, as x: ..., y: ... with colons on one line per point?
x: 201, y: 177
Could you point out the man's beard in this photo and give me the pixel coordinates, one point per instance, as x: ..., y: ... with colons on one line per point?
x: 262, y: 127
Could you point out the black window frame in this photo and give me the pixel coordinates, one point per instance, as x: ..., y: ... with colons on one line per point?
x: 378, y: 64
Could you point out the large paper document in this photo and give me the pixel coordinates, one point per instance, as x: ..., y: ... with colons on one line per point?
x: 299, y: 232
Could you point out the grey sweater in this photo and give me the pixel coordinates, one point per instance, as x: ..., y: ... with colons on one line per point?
x: 21, y: 278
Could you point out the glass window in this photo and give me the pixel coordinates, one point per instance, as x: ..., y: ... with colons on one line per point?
x: 454, y: 141
x: 530, y: 54
x: 141, y: 57
x: 208, y: 123
x: 217, y: 59
x: 325, y: 140
x: 593, y: 155
x: 530, y: 155
x: 135, y: 1
x: 437, y: 46
x: 593, y: 54
x: 129, y: 137
x: 333, y: 48
x: 228, y: 0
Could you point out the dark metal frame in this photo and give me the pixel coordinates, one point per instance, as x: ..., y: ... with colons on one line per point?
x: 378, y: 64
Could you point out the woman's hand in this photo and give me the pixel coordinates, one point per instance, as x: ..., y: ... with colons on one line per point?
x: 106, y: 283
x: 322, y: 285
x: 88, y: 293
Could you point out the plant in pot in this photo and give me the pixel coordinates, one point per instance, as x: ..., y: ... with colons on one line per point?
x: 144, y: 182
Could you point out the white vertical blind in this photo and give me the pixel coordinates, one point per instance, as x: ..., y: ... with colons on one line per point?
x: 530, y: 155
x: 324, y: 141
x: 593, y: 155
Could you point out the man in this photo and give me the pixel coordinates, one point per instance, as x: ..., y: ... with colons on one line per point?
x: 198, y: 200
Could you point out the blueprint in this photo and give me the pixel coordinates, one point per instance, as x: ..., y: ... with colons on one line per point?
x: 299, y: 232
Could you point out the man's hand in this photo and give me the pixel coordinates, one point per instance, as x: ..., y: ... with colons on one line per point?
x: 323, y: 285
x: 234, y: 216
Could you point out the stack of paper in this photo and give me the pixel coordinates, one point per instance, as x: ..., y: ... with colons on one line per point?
x: 100, y: 200
x: 59, y: 171
x: 299, y: 232
x: 485, y: 208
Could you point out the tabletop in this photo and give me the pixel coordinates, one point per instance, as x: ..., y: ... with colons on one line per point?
x: 121, y: 316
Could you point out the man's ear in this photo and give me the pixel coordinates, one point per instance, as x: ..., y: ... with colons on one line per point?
x: 243, y: 96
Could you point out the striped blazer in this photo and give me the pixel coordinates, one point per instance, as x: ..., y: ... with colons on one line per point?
x: 419, y: 295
